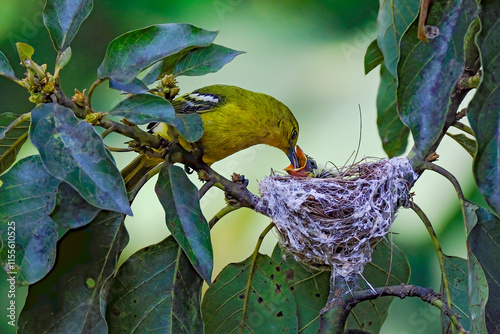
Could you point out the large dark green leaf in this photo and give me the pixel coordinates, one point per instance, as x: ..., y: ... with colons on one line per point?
x: 27, y: 196
x: 201, y: 61
x: 130, y: 53
x: 5, y: 68
x: 268, y: 306
x: 198, y: 61
x: 389, y: 266
x: 373, y: 57
x: 71, y: 298
x: 179, y: 198
x: 484, y: 241
x: 484, y: 109
x: 428, y: 72
x: 156, y: 289
x: 13, y: 134
x: 190, y: 126
x: 309, y: 287
x: 145, y: 108
x: 135, y: 87
x: 72, y: 151
x: 478, y: 284
x: 456, y: 274
x: 70, y: 209
x: 166, y: 66
x: 63, y: 19
x: 392, y: 131
x: 394, y: 17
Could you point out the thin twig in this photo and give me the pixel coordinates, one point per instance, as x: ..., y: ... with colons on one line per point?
x: 91, y: 91
x: 119, y: 149
x: 204, y: 188
x: 439, y: 251
x: 224, y: 211
x: 448, y: 175
x: 252, y: 270
x: 426, y: 294
x: 106, y: 132
x: 424, y: 8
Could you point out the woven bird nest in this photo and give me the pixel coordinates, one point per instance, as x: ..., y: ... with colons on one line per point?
x: 335, y: 222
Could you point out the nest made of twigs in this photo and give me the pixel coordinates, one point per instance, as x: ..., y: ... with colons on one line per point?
x: 335, y: 222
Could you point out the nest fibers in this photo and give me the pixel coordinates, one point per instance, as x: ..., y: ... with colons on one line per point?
x: 336, y: 222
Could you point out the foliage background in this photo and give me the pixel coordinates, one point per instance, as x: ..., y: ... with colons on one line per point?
x: 309, y: 55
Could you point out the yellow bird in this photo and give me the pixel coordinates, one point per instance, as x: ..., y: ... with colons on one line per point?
x: 234, y: 119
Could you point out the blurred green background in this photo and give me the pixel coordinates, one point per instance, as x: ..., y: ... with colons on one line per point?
x: 309, y: 55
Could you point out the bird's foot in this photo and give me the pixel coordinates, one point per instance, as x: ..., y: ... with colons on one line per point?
x: 239, y: 180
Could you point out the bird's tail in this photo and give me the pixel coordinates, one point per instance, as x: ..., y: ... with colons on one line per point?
x: 137, y: 169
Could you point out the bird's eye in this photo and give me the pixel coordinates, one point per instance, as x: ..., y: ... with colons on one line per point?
x: 294, y: 134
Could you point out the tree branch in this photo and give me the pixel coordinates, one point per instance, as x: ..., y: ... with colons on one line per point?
x: 224, y: 211
x: 343, y: 300
x: 428, y: 295
x: 448, y: 175
x: 469, y: 76
x: 245, y: 198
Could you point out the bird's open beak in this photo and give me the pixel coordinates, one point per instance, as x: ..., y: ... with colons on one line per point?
x: 293, y: 157
x: 301, y: 168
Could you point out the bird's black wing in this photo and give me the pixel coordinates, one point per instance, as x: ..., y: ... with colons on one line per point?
x: 196, y: 102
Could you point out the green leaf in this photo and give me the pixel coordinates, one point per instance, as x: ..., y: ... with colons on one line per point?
x: 135, y: 87
x: 484, y: 109
x: 456, y: 274
x: 155, y: 288
x: 27, y: 194
x: 392, y: 131
x: 13, y: 134
x: 179, y: 198
x: 70, y: 209
x: 267, y: 307
x: 469, y: 144
x: 190, y: 126
x: 71, y: 298
x: 73, y: 152
x: 130, y: 53
x: 478, y: 285
x: 5, y: 68
x: 63, y: 58
x: 145, y: 108
x: 166, y: 66
x: 428, y: 72
x: 478, y: 292
x: 63, y: 19
x: 201, y: 61
x: 193, y: 62
x: 373, y: 57
x: 394, y: 17
x: 25, y: 51
x: 389, y: 266
x: 309, y: 287
x: 484, y: 241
